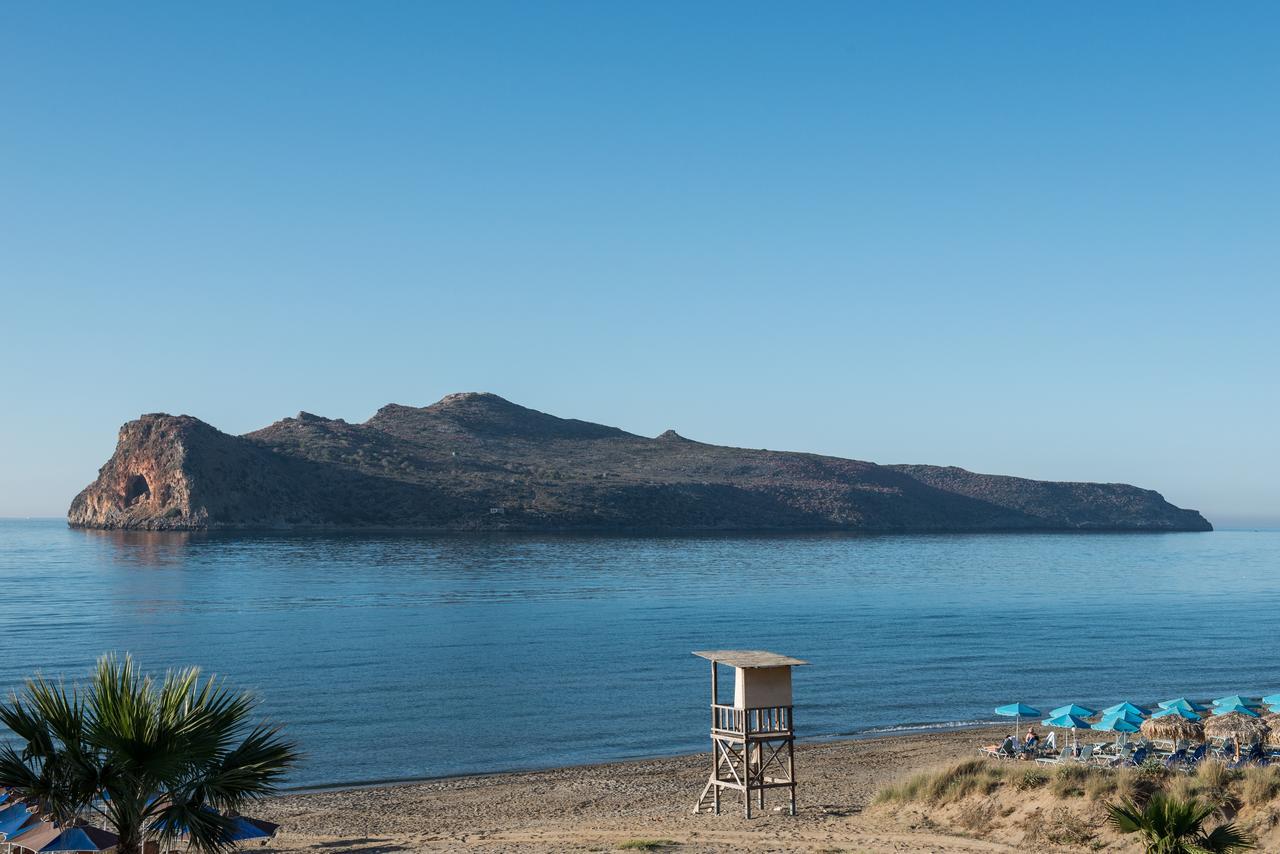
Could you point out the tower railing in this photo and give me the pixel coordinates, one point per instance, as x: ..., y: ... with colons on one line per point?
x: 761, y: 722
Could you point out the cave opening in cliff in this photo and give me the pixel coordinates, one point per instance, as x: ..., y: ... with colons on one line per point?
x: 136, y: 489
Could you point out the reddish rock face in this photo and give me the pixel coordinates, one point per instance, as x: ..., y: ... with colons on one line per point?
x: 145, y: 484
x: 478, y: 462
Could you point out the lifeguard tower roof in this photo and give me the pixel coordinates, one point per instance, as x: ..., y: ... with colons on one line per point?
x: 745, y: 659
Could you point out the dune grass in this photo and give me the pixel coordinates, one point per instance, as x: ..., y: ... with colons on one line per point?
x: 1259, y: 786
x: 1071, y: 779
x: 947, y: 785
x: 1032, y: 778
x: 1214, y: 775
x: 1211, y: 783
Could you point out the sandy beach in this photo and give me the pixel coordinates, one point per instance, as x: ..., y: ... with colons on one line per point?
x: 603, y: 807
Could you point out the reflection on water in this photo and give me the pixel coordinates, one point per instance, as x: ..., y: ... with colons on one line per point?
x: 401, y: 656
x: 143, y: 548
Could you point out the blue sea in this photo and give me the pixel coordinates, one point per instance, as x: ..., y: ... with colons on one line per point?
x: 399, y: 657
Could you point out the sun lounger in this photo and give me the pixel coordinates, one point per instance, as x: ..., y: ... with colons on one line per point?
x: 1192, y: 759
x: 1054, y: 760
x: 1254, y: 756
x: 1128, y: 760
x: 1121, y: 753
x: 1086, y: 754
x: 1008, y: 749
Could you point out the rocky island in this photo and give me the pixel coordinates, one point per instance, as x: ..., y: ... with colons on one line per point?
x: 477, y: 462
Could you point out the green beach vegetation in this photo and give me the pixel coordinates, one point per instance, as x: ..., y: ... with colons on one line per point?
x: 1072, y: 803
x: 1172, y: 826
x: 150, y: 758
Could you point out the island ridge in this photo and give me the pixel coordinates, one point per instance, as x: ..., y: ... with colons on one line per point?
x: 477, y: 462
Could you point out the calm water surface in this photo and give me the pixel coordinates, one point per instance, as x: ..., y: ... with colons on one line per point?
x: 396, y: 657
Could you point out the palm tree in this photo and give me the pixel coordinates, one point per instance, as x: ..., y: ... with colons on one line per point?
x: 152, y: 759
x: 1171, y: 826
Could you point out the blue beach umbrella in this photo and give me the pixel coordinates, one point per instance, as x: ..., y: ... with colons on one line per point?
x: 1184, y: 704
x: 1124, y: 714
x: 1071, y: 722
x: 1117, y: 723
x: 1072, y: 709
x: 1236, y: 700
x: 1126, y: 707
x: 244, y: 828
x: 1272, y: 700
x: 1185, y: 714
x: 82, y: 838
x: 1242, y: 709
x: 1017, y: 711
x: 14, y: 819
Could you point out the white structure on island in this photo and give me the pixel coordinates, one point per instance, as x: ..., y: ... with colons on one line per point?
x: 752, y: 739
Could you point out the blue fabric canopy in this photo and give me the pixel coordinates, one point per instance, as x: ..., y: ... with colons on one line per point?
x: 80, y: 838
x: 1072, y: 709
x: 244, y: 828
x: 1126, y: 707
x: 1236, y: 700
x: 1066, y: 722
x: 14, y: 818
x: 1116, y: 724
x: 1186, y: 714
x: 1272, y: 700
x: 1131, y: 717
x: 1182, y: 703
x: 1018, y: 710
x: 1244, y: 710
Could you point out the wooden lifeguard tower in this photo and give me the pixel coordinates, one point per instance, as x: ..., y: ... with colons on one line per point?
x: 753, y: 739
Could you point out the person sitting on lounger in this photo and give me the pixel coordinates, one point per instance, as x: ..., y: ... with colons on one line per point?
x: 1032, y: 739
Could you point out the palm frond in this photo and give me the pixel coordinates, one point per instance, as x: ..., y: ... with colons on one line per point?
x: 1126, y: 817
x: 1171, y: 825
x: 165, y: 753
x: 204, y: 829
x: 1225, y: 839
x: 252, y: 770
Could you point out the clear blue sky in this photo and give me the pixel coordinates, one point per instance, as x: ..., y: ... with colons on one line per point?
x: 1032, y: 238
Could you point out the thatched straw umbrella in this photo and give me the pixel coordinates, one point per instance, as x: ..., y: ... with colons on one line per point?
x: 1172, y: 728
x: 1242, y: 728
x: 1272, y: 723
